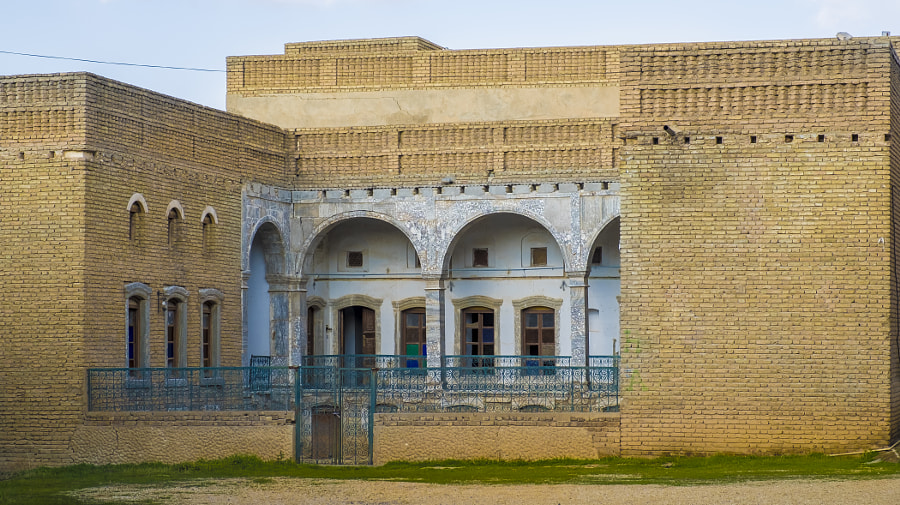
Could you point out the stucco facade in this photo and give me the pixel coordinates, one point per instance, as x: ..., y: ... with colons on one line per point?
x: 720, y: 217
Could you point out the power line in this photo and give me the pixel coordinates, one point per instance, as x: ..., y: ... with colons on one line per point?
x: 113, y: 62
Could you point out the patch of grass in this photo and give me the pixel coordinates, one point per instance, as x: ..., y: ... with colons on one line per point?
x: 52, y: 485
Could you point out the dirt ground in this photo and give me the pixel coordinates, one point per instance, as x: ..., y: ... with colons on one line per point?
x: 327, y: 492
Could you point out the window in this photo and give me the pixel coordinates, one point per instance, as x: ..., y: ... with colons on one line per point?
x: 135, y: 333
x: 210, y: 329
x: 597, y: 256
x: 355, y: 259
x: 206, y: 337
x: 137, y: 207
x: 413, y: 331
x: 172, y: 331
x: 172, y: 227
x: 538, y: 256
x: 207, y: 232
x: 538, y: 335
x: 134, y: 220
x: 137, y: 326
x: 478, y: 337
x: 479, y: 257
x: 311, y: 331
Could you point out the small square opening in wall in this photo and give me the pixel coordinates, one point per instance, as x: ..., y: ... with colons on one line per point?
x: 597, y: 256
x: 788, y: 138
x: 719, y: 140
x: 654, y: 140
x: 354, y: 259
x: 479, y: 257
x: 887, y: 137
x: 538, y: 256
x: 752, y: 139
x: 821, y: 138
x: 687, y: 140
x: 854, y: 137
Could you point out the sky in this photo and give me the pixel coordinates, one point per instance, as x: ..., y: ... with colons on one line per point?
x: 202, y: 33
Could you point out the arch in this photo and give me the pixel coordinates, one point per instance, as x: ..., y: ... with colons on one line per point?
x: 177, y: 207
x: 273, y: 239
x: 594, y: 235
x: 139, y: 199
x: 211, y: 212
x: 271, y: 236
x: 321, y: 230
x: 458, y: 232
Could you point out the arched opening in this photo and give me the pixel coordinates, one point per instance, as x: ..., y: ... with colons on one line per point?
x: 266, y: 264
x: 359, y: 269
x: 504, y: 258
x: 603, y: 295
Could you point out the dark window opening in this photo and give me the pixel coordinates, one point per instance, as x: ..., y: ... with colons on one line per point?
x: 355, y: 259
x: 538, y: 256
x: 597, y: 256
x: 538, y: 335
x: 134, y: 333
x: 479, y: 257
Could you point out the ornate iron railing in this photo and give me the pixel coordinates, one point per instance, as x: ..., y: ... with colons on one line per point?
x: 512, y: 383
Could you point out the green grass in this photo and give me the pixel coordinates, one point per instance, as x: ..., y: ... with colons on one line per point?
x: 51, y: 485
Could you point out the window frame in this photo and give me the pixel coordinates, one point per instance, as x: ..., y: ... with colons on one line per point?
x: 421, y: 338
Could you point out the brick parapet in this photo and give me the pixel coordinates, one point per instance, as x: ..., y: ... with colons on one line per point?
x: 470, y: 153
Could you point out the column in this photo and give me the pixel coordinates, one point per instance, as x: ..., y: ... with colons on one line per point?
x: 434, y: 320
x: 578, y: 303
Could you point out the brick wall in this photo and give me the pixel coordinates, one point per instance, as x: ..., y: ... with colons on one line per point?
x: 756, y: 248
x: 895, y: 249
x: 75, y: 149
x: 507, y: 435
x: 175, y: 437
x: 475, y: 153
x: 414, y: 64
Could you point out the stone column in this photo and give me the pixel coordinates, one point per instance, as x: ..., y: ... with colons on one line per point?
x: 434, y: 320
x: 578, y: 303
x: 299, y: 315
x: 283, y: 303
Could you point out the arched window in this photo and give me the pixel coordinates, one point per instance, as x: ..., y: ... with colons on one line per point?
x: 137, y: 207
x: 137, y: 325
x: 208, y: 221
x: 175, y: 308
x: 210, y: 328
x: 174, y: 216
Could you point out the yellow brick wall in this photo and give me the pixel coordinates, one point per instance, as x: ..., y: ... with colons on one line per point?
x: 755, y: 307
x: 895, y: 250
x: 509, y: 436
x: 67, y: 256
x: 515, y: 152
x: 350, y: 65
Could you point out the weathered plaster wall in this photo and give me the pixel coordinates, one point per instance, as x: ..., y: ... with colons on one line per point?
x: 379, y: 108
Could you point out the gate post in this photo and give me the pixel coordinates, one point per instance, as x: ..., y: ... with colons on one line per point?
x: 298, y: 427
x: 373, y: 402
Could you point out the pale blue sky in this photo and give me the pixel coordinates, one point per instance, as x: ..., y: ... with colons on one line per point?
x: 201, y: 33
